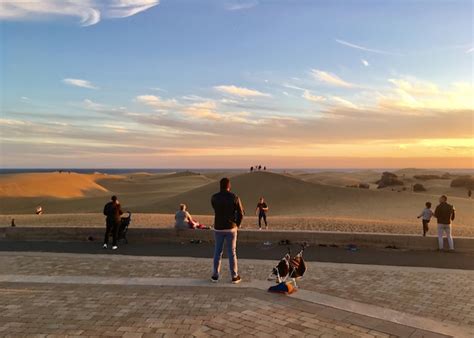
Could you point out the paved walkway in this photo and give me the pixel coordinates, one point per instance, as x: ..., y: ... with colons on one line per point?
x: 64, y: 294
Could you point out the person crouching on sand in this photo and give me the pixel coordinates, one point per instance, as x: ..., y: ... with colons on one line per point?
x: 113, y: 211
x: 261, y: 211
x: 425, y: 216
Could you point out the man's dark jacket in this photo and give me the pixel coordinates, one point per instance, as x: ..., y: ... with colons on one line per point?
x: 228, y: 210
x: 113, y: 211
x: 444, y: 213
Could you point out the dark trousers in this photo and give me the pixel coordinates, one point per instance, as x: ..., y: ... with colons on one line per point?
x: 425, y: 226
x: 261, y: 216
x: 111, y: 226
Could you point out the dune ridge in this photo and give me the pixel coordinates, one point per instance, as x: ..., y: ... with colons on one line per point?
x: 297, y: 195
x: 58, y: 185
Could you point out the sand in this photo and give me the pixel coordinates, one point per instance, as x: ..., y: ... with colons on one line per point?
x: 58, y: 185
x: 250, y: 222
x: 297, y: 200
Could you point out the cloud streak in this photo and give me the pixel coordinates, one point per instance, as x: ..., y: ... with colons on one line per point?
x: 330, y: 79
x: 88, y: 12
x: 240, y: 91
x: 370, y: 50
x: 238, y: 5
x: 79, y: 83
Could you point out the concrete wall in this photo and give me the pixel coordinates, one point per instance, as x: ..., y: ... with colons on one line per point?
x: 410, y: 242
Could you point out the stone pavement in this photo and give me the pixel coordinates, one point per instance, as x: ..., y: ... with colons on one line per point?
x: 54, y: 307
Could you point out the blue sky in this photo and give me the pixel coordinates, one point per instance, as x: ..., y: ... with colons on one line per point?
x: 293, y: 80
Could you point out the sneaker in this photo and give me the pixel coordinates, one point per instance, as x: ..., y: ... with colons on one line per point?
x: 104, y: 246
x: 260, y: 228
x: 114, y: 247
x: 214, y: 279
x: 236, y: 279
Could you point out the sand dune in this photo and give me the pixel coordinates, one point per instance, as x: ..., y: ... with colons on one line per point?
x: 149, y: 220
x: 58, y: 185
x: 300, y: 196
x: 291, y: 196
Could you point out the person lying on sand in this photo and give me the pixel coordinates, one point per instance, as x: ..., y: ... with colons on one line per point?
x: 184, y: 220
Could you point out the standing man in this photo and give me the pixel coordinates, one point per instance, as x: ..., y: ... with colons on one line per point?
x: 261, y: 211
x: 228, y: 217
x: 445, y: 213
x: 113, y: 211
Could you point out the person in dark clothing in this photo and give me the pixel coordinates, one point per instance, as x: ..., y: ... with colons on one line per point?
x: 261, y: 211
x: 229, y: 213
x: 112, y: 211
x: 445, y: 214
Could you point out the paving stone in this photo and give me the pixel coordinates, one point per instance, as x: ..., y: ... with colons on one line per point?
x: 135, y: 311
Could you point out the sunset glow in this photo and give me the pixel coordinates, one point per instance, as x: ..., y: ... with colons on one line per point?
x: 227, y: 83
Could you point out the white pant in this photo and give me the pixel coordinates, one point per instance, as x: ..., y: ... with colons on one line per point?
x: 445, y: 228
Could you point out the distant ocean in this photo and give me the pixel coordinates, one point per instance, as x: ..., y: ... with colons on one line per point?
x: 205, y: 170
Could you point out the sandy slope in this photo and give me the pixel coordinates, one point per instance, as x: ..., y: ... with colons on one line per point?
x: 59, y: 185
x: 133, y: 190
x: 291, y: 196
x: 276, y: 222
x: 295, y: 195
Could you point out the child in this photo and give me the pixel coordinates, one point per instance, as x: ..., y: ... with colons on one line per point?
x: 426, y: 215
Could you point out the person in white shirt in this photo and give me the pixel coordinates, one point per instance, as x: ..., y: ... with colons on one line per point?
x: 425, y: 216
x: 183, y: 218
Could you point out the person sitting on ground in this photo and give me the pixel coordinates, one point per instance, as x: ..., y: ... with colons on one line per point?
x: 113, y: 211
x: 425, y: 216
x: 445, y: 213
x: 184, y: 220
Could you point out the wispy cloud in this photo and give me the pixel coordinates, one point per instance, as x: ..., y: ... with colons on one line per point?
x: 415, y: 94
x: 79, y: 83
x: 89, y: 12
x: 290, y: 86
x: 370, y: 50
x: 343, y: 102
x: 157, y: 102
x: 237, y: 5
x: 240, y: 91
x: 470, y: 50
x: 330, y: 79
x: 365, y: 62
x: 313, y: 98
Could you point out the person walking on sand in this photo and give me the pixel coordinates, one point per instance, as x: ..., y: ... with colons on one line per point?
x: 445, y: 213
x: 112, y: 211
x: 229, y: 213
x: 425, y: 216
x: 261, y: 211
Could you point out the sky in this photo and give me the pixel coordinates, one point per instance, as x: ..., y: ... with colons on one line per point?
x: 234, y: 83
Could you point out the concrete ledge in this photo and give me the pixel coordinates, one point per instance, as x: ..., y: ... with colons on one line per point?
x: 141, y: 235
